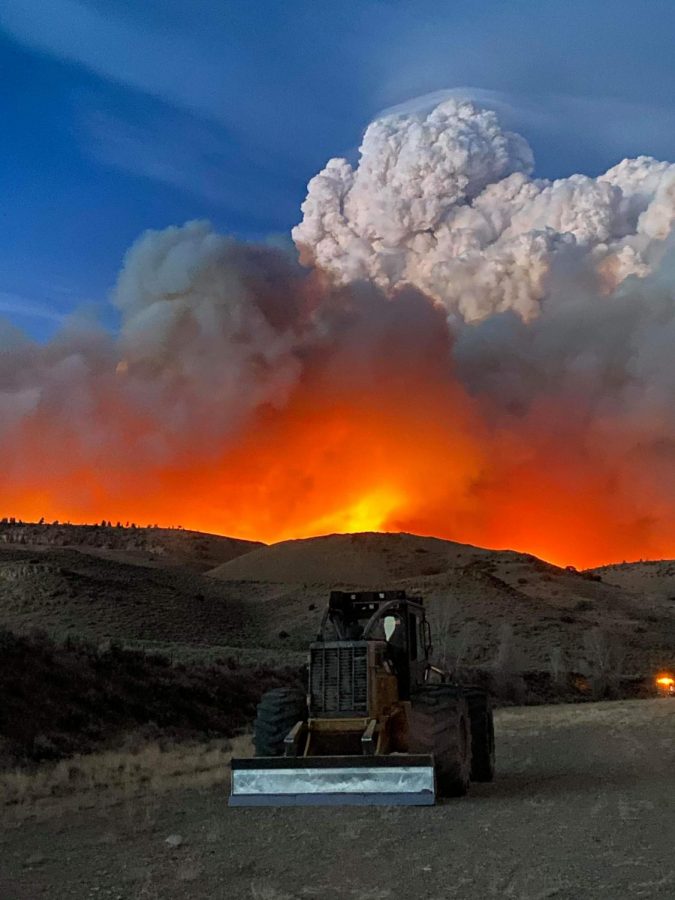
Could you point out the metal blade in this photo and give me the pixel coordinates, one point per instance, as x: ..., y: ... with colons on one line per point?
x: 404, y: 779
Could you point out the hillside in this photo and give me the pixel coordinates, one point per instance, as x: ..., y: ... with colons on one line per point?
x: 71, y: 593
x: 654, y: 579
x: 130, y: 544
x: 366, y: 559
x: 151, y: 590
x: 472, y: 596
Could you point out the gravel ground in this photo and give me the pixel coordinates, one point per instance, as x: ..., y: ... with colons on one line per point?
x: 584, y: 807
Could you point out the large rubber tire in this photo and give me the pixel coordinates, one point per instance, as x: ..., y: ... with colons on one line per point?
x: 482, y: 735
x: 440, y: 724
x: 277, y: 713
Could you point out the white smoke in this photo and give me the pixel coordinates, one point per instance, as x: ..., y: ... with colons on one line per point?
x: 443, y: 200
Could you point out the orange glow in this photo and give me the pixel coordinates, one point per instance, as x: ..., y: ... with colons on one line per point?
x: 346, y: 463
x: 394, y: 445
x: 665, y: 685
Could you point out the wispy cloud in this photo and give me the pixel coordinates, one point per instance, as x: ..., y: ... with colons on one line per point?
x: 289, y: 81
x: 183, y: 152
x: 116, y: 47
x: 15, y: 305
x: 196, y: 63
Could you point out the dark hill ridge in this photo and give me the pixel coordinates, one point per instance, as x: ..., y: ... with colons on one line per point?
x: 141, y: 546
x: 371, y: 558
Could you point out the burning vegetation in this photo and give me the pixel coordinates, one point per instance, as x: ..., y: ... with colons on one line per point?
x: 472, y: 353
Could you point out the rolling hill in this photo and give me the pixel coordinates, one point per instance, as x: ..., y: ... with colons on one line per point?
x: 206, y: 596
x: 129, y: 544
x: 651, y: 579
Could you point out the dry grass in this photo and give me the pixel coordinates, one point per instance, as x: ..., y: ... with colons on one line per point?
x: 616, y: 714
x: 109, y: 777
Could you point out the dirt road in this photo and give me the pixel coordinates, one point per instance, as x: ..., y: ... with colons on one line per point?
x: 584, y: 808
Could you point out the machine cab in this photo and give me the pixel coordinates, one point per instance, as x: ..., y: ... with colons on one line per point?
x: 388, y: 616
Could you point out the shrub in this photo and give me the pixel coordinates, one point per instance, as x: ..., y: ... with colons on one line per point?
x: 56, y: 700
x: 583, y: 606
x: 558, y: 667
x: 509, y: 684
x: 604, y: 656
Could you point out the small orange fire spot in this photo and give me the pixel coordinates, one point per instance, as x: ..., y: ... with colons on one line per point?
x: 666, y: 685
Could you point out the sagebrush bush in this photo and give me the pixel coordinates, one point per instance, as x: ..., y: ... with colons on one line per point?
x: 56, y: 700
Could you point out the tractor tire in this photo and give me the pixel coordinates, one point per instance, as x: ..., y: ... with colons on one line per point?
x: 482, y: 735
x: 278, y: 711
x: 440, y: 724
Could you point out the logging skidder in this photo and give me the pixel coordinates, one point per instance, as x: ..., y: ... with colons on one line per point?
x: 379, y: 724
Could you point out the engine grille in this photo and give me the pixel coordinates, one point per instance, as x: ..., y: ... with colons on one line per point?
x: 338, y: 678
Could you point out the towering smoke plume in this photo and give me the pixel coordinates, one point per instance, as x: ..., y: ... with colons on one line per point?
x: 444, y: 202
x: 469, y: 352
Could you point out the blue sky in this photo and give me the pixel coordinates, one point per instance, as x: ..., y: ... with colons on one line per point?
x: 120, y: 116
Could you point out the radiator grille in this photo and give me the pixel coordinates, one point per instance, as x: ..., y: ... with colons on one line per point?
x: 338, y: 678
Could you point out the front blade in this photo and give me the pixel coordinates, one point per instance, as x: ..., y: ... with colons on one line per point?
x: 397, y: 780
